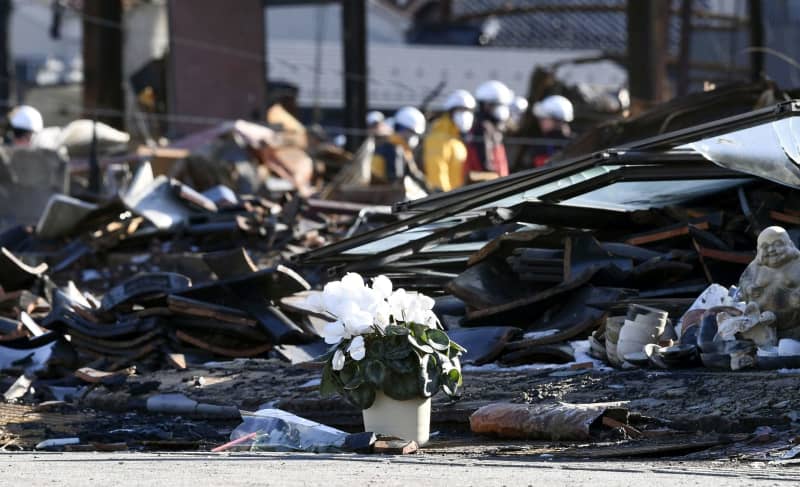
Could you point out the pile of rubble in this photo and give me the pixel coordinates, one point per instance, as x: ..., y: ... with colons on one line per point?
x: 627, y: 257
x: 156, y: 273
x: 536, y: 260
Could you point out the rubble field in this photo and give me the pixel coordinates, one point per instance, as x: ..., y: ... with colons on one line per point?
x: 160, y: 315
x: 679, y: 413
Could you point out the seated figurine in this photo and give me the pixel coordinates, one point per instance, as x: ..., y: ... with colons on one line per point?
x: 772, y: 281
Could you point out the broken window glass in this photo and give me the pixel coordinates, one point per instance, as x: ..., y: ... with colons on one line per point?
x: 770, y: 150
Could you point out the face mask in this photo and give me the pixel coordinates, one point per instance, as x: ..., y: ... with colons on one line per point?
x: 501, y: 113
x: 413, y: 141
x: 463, y: 119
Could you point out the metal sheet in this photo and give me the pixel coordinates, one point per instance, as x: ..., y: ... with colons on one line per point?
x: 756, y: 150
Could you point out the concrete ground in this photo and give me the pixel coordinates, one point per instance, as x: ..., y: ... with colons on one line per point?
x: 282, y: 469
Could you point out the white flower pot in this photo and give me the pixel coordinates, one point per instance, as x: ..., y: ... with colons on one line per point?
x: 409, y: 420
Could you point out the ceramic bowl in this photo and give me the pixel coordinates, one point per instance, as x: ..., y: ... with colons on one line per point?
x: 635, y: 310
x: 679, y: 356
x: 775, y: 363
x: 597, y: 348
x: 640, y: 359
x: 657, y: 324
x: 625, y: 348
x: 613, y: 326
x: 611, y: 354
x: 734, y: 346
x: 633, y: 330
x: 788, y: 347
x: 691, y: 318
x: 652, y: 352
x: 689, y: 335
x: 719, y: 361
x: 707, y: 332
x: 767, y: 352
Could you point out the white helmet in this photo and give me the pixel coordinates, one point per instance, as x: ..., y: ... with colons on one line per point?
x: 25, y: 117
x: 556, y: 107
x: 460, y: 99
x: 519, y: 105
x: 494, y: 92
x: 411, y: 119
x: 374, y: 117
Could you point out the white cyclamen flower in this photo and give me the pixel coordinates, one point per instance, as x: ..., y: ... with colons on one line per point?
x: 357, y: 322
x: 352, y: 281
x: 430, y: 319
x: 338, y: 360
x: 367, y: 299
x: 334, y: 332
x: 425, y: 302
x: 383, y: 286
x: 397, y: 302
x: 335, y: 298
x: 357, y: 349
x: 383, y: 315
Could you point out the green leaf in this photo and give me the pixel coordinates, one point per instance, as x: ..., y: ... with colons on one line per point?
x: 418, y: 345
x: 376, y: 349
x: 329, y: 385
x: 401, y: 387
x: 396, y: 330
x: 419, y: 330
x: 375, y: 372
x: 429, y: 375
x: 455, y: 346
x: 397, y: 350
x: 438, y: 339
x: 361, y: 397
x: 403, y: 366
x: 351, y: 376
x: 451, y: 381
x: 325, y: 357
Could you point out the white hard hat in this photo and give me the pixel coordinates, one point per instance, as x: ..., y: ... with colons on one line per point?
x: 460, y: 99
x: 494, y: 92
x: 374, y: 117
x: 556, y: 107
x: 25, y: 117
x: 519, y: 105
x: 411, y: 119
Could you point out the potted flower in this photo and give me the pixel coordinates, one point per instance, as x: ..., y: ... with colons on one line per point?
x: 389, y: 354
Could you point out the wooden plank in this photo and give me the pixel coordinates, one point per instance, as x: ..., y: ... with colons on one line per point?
x: 784, y: 218
x: 629, y: 430
x: 193, y: 307
x: 665, y: 234
x: 726, y: 256
x: 252, y: 351
x: 636, y: 449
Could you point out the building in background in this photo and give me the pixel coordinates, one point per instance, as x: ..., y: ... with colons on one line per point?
x: 418, y: 50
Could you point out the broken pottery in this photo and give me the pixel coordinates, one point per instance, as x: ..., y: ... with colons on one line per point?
x: 613, y: 327
x: 753, y: 325
x: 772, y: 280
x: 643, y: 325
x: 639, y: 359
x: 632, y: 339
x: 788, y: 348
x: 676, y: 356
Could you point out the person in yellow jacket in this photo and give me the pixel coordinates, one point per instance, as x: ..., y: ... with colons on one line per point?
x: 444, y: 150
x: 394, y: 156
